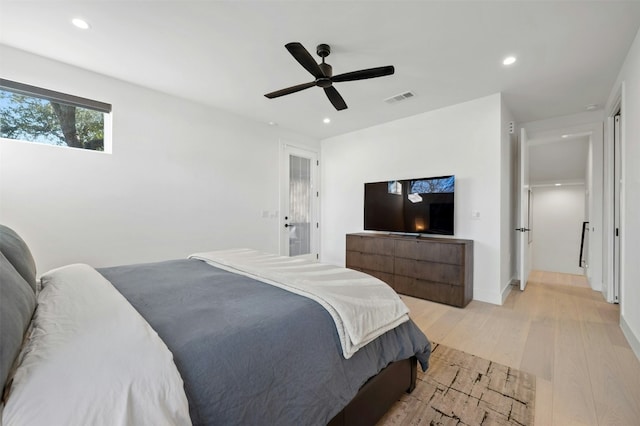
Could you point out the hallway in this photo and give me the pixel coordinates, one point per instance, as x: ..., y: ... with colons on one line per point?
x: 559, y: 330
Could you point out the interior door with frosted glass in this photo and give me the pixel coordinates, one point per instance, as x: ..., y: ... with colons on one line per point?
x: 299, y: 232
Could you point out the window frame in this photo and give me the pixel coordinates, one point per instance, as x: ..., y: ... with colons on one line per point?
x: 54, y: 96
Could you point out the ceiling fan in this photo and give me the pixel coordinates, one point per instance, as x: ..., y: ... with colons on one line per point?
x: 323, y: 74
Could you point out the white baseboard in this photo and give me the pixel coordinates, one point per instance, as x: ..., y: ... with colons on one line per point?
x: 486, y: 296
x: 493, y: 297
x: 507, y: 290
x: 634, y: 341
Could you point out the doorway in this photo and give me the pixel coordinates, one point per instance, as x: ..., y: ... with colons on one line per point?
x: 558, y: 215
x: 299, y: 195
x: 567, y: 159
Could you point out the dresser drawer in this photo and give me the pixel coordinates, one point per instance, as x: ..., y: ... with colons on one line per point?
x: 431, y: 252
x: 429, y: 271
x: 372, y: 262
x: 370, y: 245
x: 436, y: 292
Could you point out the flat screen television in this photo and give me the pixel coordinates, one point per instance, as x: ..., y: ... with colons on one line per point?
x: 420, y: 206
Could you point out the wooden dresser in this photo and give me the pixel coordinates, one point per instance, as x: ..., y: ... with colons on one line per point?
x: 437, y: 269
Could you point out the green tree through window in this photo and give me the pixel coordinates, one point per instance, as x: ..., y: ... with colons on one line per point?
x: 38, y: 115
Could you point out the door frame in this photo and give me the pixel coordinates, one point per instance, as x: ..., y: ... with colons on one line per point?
x: 524, y: 240
x: 612, y: 290
x: 287, y: 148
x: 596, y: 185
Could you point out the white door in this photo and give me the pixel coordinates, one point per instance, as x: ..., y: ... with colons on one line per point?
x: 299, y: 203
x: 525, y: 212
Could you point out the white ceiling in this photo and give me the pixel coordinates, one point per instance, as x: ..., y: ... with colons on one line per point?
x: 563, y: 161
x: 228, y: 54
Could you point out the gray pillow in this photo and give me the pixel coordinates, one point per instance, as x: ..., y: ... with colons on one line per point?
x: 18, y: 254
x: 17, y: 303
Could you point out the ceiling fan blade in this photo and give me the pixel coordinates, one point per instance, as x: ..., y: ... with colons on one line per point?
x: 364, y: 74
x: 289, y: 90
x: 335, y: 98
x: 305, y: 59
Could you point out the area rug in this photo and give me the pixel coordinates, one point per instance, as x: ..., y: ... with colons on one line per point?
x: 463, y: 389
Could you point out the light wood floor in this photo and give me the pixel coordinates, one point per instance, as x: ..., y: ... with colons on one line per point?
x: 565, y: 334
x: 558, y: 278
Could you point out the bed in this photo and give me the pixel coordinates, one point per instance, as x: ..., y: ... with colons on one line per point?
x: 206, y: 340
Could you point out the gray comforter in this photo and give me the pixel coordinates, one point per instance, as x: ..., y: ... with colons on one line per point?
x: 250, y: 353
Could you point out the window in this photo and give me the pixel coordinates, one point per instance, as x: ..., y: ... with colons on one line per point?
x: 34, y: 114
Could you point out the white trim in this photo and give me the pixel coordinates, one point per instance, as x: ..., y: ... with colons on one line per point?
x: 616, y: 102
x: 492, y: 297
x: 622, y: 283
x: 108, y: 135
x: 285, y: 144
x: 607, y: 212
x: 608, y: 220
x: 632, y: 339
x: 506, y: 291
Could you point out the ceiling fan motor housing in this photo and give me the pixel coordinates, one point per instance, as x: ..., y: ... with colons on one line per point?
x: 323, y: 50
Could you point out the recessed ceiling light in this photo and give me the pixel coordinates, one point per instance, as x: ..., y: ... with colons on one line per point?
x: 509, y: 60
x: 326, y: 120
x: 558, y: 184
x: 80, y: 23
x: 591, y: 107
x: 564, y: 136
x: 273, y: 123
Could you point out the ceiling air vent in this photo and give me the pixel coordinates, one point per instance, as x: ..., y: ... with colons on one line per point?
x: 400, y: 97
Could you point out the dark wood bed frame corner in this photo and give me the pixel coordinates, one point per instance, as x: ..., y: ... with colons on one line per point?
x: 380, y: 392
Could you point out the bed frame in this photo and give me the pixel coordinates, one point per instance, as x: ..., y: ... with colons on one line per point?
x: 378, y: 394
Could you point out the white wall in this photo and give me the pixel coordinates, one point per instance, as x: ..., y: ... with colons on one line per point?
x: 182, y: 177
x: 508, y: 196
x: 464, y: 140
x: 630, y: 225
x: 558, y: 213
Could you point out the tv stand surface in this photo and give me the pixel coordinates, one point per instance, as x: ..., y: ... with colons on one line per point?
x: 432, y: 268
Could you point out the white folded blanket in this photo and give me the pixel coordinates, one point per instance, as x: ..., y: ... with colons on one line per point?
x: 362, y: 307
x: 93, y: 360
